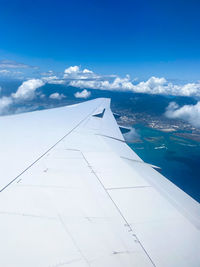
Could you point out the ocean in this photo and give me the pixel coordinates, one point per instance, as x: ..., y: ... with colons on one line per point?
x: 178, y: 157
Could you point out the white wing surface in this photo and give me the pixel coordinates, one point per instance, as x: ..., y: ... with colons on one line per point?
x: 74, y: 194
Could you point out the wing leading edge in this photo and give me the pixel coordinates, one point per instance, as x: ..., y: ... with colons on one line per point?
x: 73, y: 196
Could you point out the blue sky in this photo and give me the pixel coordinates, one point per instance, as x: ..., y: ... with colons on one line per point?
x: 142, y: 38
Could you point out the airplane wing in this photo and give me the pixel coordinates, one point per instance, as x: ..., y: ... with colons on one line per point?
x: 72, y: 193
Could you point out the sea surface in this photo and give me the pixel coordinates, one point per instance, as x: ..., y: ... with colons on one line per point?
x: 179, y: 158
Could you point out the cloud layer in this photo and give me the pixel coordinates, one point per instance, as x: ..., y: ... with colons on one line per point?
x: 189, y: 113
x: 26, y: 91
x: 86, y: 79
x: 153, y: 85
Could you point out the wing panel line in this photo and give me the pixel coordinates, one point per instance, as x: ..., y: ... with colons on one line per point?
x: 118, y: 209
x: 75, y: 127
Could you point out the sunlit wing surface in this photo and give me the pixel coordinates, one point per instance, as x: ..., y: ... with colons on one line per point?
x: 73, y: 193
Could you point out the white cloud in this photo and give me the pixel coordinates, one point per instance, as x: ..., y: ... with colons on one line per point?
x: 189, y: 113
x: 87, y: 71
x: 71, y: 73
x: 26, y: 91
x: 57, y: 96
x: 57, y: 81
x: 47, y: 73
x: 86, y: 78
x: 49, y: 78
x: 154, y: 85
x: 11, y: 74
x: 75, y: 73
x: 14, y: 65
x: 131, y: 136
x: 5, y: 102
x: 83, y: 94
x: 172, y: 106
x: 53, y: 80
x: 42, y: 96
x: 4, y: 72
x: 119, y: 84
x: 72, y: 69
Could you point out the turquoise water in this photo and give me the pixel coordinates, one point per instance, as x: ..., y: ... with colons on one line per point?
x: 179, y: 158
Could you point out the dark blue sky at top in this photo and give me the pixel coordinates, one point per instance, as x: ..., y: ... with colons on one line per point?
x: 142, y: 38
